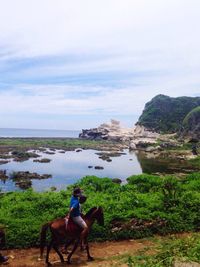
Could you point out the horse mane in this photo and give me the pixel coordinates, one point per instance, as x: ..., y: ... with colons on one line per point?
x: 89, y: 213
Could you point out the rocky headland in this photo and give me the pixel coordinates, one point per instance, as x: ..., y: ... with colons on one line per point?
x: 136, y: 138
x: 167, y: 127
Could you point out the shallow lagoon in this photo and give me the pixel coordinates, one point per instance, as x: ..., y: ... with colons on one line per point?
x: 66, y: 167
x: 70, y: 166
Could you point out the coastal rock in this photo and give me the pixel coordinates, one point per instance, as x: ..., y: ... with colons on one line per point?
x: 49, y: 153
x: 132, y: 146
x: 21, y: 175
x: 151, y: 149
x: 44, y: 160
x: 62, y: 151
x: 22, y: 156
x: 143, y: 138
x: 3, y: 175
x: 99, y: 168
x: 108, y: 131
x: 78, y: 150
x: 116, y: 180
x: 4, y: 161
x: 136, y: 138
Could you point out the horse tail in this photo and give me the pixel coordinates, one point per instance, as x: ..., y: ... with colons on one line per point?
x: 43, y: 235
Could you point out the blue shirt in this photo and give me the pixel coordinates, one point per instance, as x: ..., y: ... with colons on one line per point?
x: 74, y: 203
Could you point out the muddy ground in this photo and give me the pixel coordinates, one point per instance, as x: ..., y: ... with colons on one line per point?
x: 105, y: 254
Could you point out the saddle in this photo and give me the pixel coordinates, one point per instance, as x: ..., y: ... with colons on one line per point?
x: 71, y: 226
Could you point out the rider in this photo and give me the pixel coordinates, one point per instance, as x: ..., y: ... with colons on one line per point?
x: 75, y: 211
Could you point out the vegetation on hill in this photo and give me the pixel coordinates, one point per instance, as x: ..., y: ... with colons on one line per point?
x: 191, y: 122
x: 166, y: 114
x: 147, y: 204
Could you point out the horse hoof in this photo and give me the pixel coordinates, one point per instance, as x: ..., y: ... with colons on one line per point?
x: 68, y: 262
x: 90, y: 259
x: 49, y: 264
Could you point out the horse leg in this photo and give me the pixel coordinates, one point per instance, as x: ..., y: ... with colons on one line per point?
x: 90, y: 258
x: 67, y: 244
x: 58, y: 252
x: 73, y: 250
x: 48, y: 250
x: 82, y: 245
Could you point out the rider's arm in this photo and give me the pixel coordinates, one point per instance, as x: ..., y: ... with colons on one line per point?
x: 70, y: 210
x: 74, y: 205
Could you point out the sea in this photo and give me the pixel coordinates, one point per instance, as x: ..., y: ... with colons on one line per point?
x: 15, y: 132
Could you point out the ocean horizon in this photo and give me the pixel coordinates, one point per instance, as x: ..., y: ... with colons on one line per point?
x: 20, y: 132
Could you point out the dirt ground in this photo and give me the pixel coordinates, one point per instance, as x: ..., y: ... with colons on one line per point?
x: 104, y: 254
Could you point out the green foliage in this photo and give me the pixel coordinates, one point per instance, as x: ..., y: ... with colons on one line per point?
x: 145, y: 182
x: 192, y: 115
x: 166, y: 114
x: 184, y: 249
x: 157, y: 205
x: 191, y: 123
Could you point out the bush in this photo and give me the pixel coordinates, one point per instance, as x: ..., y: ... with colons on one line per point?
x: 145, y: 205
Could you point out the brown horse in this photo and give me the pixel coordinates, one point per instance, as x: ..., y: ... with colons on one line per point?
x: 60, y: 232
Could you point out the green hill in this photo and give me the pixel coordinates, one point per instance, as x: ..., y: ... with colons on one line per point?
x: 166, y: 114
x: 191, y: 123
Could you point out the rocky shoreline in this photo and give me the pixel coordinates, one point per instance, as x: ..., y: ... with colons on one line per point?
x: 153, y: 145
x: 136, y: 138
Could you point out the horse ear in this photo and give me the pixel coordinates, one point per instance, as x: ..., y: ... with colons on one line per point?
x: 100, y: 208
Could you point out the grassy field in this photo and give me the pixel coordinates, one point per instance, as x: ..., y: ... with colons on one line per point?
x: 62, y: 143
x: 162, y: 252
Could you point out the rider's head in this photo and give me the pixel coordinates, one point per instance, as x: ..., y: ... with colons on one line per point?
x: 77, y: 192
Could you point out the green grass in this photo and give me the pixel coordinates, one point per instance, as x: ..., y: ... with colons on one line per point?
x: 160, y: 252
x: 51, y: 142
x: 196, y: 161
x: 167, y: 252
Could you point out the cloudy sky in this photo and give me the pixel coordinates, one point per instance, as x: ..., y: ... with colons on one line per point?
x: 73, y: 64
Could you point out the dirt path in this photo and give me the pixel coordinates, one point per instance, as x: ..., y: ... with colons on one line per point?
x: 104, y: 253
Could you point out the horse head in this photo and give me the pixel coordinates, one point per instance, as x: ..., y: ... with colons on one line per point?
x: 100, y: 216
x: 97, y: 214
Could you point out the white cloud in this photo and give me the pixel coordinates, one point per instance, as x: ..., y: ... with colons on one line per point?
x: 51, y: 27
x: 156, y: 42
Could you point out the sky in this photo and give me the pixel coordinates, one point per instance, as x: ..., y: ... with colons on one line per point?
x: 73, y: 64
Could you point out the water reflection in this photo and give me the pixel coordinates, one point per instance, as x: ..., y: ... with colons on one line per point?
x: 68, y: 167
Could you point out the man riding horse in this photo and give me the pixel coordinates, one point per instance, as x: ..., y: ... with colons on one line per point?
x: 76, y: 231
x: 75, y: 211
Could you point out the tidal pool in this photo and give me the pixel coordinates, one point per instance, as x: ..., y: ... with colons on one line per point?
x: 66, y: 168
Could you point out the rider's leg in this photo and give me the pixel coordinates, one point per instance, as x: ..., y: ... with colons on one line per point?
x: 79, y: 220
